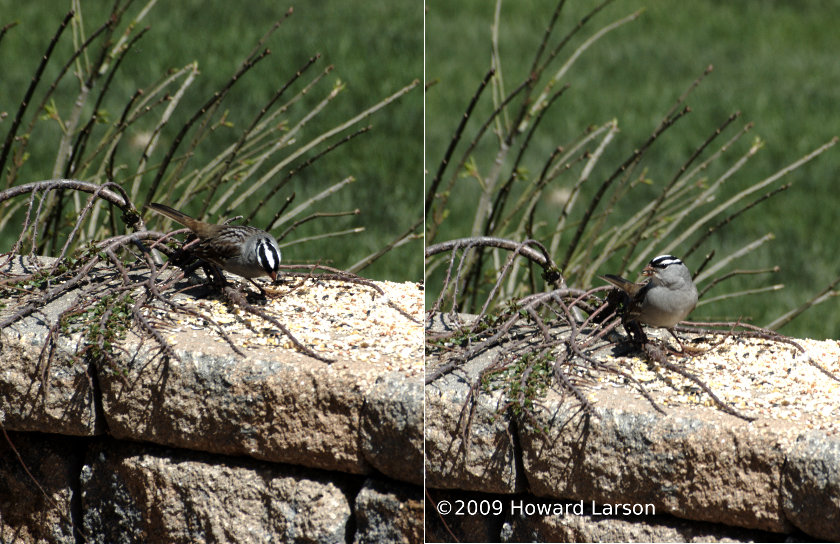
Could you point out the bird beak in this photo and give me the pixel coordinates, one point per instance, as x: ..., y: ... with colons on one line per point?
x: 648, y: 271
x: 272, y: 275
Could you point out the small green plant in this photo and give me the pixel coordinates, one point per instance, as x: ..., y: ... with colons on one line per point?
x: 524, y: 381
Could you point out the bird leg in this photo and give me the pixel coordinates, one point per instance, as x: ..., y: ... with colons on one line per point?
x: 635, y: 332
x: 264, y: 294
x: 686, y: 350
x: 219, y: 279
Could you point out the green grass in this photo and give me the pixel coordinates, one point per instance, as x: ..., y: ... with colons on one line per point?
x: 376, y: 48
x: 774, y: 62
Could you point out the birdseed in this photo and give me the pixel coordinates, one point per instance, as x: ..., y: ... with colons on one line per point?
x: 342, y: 321
x: 760, y: 378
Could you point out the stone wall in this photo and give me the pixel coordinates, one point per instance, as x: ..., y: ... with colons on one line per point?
x: 206, y: 447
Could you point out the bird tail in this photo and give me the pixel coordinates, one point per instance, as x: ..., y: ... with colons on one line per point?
x: 171, y: 213
x: 619, y: 282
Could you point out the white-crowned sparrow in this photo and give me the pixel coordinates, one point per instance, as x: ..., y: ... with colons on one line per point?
x: 665, y: 300
x: 245, y: 251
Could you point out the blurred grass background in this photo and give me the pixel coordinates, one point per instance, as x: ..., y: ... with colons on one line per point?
x: 775, y: 62
x: 375, y: 46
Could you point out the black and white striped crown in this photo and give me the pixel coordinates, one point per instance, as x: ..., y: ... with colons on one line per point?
x: 664, y: 261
